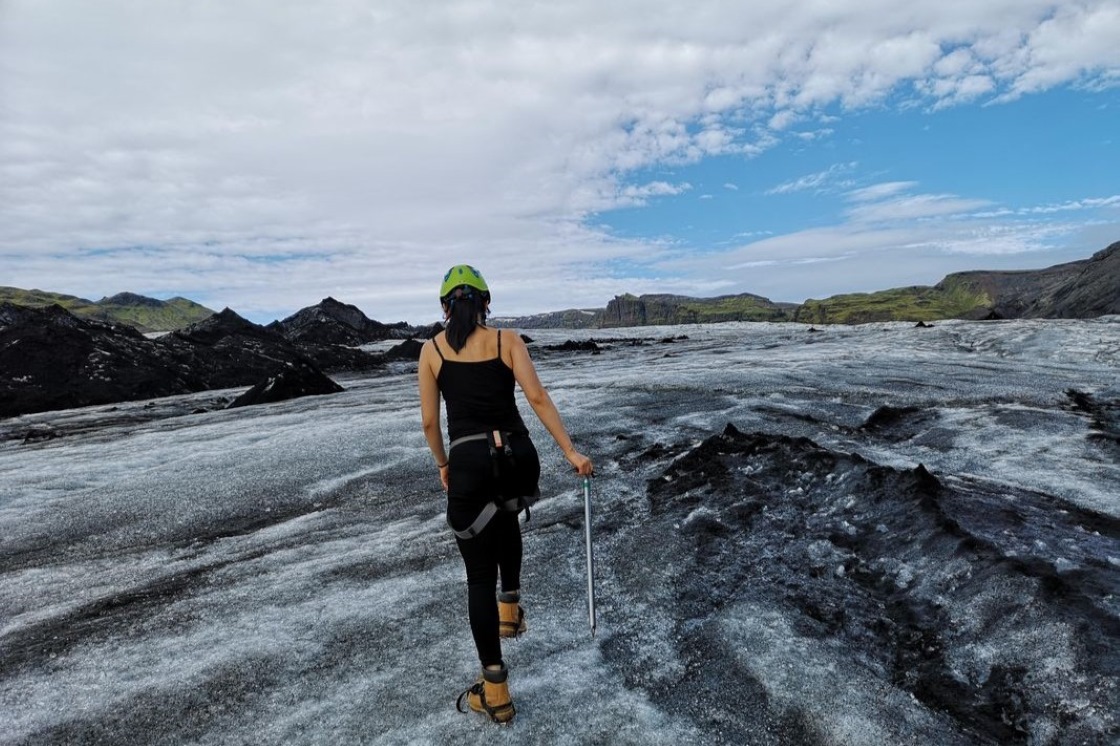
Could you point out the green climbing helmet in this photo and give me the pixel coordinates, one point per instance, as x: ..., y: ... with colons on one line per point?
x: 459, y: 275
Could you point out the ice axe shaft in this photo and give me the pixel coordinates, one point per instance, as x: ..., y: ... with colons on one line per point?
x: 590, y: 553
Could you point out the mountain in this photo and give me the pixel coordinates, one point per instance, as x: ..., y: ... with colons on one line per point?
x: 947, y: 300
x: 1082, y: 289
x: 292, y: 382
x: 149, y: 314
x: 143, y: 313
x: 657, y: 309
x: 231, y: 351
x: 333, y: 322
x: 628, y: 310
x: 573, y: 318
x: 1076, y: 290
x: 52, y: 359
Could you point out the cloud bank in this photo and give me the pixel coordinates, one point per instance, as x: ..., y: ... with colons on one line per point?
x: 263, y: 155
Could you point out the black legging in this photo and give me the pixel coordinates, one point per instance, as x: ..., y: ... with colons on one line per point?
x: 497, y: 549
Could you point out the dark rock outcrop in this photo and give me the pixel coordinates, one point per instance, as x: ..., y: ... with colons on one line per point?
x: 628, y: 310
x: 334, y: 323
x: 51, y: 359
x: 237, y: 349
x: 222, y: 326
x: 1081, y: 289
x: 406, y: 350
x: 1076, y: 290
x: 573, y: 346
x: 1104, y: 414
x: 648, y: 310
x: 293, y: 381
x: 231, y: 334
x: 227, y: 350
x: 1092, y: 290
x: 427, y: 332
x: 909, y: 573
x: 572, y: 318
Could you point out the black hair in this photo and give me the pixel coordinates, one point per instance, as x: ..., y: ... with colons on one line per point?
x: 466, y: 311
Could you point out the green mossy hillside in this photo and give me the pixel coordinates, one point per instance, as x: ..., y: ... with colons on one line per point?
x: 146, y: 314
x: 631, y: 310
x: 174, y: 313
x: 732, y: 308
x: 41, y: 298
x: 949, y: 300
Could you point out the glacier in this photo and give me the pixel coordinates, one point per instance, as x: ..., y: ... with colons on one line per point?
x: 846, y: 535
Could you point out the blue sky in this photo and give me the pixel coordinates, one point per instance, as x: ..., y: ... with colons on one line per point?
x: 264, y: 155
x: 1062, y: 138
x: 1044, y: 167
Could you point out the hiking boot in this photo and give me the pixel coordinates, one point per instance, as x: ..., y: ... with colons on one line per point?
x: 489, y: 695
x: 511, y: 617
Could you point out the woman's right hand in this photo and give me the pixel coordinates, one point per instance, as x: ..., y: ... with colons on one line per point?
x: 581, y: 463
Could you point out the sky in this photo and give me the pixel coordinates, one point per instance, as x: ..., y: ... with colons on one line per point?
x: 265, y: 155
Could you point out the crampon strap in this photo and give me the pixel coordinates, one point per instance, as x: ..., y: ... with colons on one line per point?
x: 479, y: 689
x: 474, y: 689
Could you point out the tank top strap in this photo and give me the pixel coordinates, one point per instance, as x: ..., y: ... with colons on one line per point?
x: 438, y: 350
x: 499, y: 344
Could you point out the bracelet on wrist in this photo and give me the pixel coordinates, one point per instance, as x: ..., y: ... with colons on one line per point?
x: 443, y: 465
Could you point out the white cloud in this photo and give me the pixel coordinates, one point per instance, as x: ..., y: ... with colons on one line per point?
x: 639, y: 195
x: 914, y: 208
x: 895, y: 236
x: 864, y: 258
x: 820, y: 180
x: 1089, y: 203
x: 263, y: 154
x: 881, y: 191
x: 1085, y: 204
x: 783, y: 119
x: 1077, y: 42
x: 810, y: 135
x: 956, y: 63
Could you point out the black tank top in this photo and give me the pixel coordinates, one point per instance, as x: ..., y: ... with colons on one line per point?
x: 479, y: 395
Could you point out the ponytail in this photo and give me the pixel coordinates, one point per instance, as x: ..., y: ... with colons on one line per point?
x: 466, y: 311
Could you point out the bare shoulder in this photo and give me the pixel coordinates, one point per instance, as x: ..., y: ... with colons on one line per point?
x: 512, y: 336
x: 512, y: 347
x: 513, y: 339
x: 428, y: 352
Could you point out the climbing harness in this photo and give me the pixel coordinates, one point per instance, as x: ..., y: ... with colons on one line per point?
x: 504, y: 465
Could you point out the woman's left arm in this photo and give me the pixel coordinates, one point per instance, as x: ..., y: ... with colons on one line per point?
x: 429, y: 411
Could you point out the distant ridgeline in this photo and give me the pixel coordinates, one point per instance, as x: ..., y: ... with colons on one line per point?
x: 145, y: 314
x: 648, y: 310
x: 1083, y: 289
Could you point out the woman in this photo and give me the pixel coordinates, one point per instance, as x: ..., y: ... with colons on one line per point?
x: 490, y: 467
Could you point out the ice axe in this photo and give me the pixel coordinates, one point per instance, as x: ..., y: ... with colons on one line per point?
x: 590, y: 552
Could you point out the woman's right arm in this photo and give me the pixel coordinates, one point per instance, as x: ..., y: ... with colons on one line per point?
x: 429, y: 410
x: 526, y: 374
